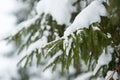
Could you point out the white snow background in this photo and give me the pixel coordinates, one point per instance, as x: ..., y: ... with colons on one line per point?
x: 8, y: 67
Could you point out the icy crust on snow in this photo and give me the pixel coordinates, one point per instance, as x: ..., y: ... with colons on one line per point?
x: 60, y: 10
x: 87, y: 16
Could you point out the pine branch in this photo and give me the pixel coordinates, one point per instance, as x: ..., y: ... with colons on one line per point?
x: 53, y: 42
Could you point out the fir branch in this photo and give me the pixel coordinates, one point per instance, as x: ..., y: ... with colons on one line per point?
x: 53, y: 42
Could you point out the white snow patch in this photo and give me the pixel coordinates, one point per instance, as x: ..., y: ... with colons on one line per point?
x: 47, y: 74
x: 72, y: 70
x: 108, y: 35
x: 48, y: 27
x: 59, y: 9
x: 8, y: 68
x: 6, y: 24
x: 7, y: 6
x: 84, y: 76
x: 104, y: 59
x: 87, y: 16
x: 5, y: 48
x: 46, y: 33
x: 96, y: 28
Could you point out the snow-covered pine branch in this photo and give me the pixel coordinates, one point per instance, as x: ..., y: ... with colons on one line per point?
x: 91, y: 14
x: 84, y: 19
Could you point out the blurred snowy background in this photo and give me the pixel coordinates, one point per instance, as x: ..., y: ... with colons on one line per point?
x: 8, y: 61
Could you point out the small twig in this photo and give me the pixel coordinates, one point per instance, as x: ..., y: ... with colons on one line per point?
x: 109, y: 78
x: 53, y: 42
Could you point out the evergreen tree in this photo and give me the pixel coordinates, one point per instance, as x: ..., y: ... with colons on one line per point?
x: 83, y: 34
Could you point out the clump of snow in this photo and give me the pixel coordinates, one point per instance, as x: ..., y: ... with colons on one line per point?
x: 104, y: 59
x: 108, y: 35
x: 96, y: 28
x: 84, y: 76
x: 59, y: 9
x: 48, y: 27
x: 46, y: 33
x: 87, y: 16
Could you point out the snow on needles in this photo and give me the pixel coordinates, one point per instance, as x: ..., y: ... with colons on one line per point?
x: 24, y: 25
x: 60, y: 10
x: 37, y: 45
x: 104, y: 59
x: 87, y: 16
x: 53, y: 58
